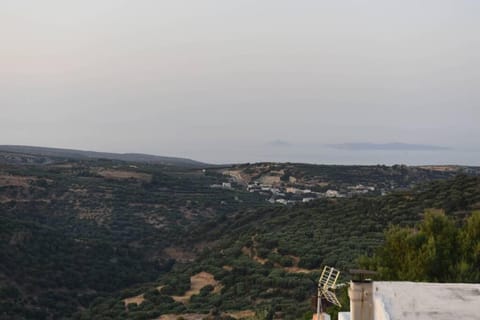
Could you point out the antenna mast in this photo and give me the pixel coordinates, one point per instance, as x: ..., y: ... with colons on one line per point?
x: 326, y: 284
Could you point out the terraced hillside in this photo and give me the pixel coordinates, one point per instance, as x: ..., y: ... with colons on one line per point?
x: 108, y: 239
x: 73, y: 230
x: 266, y: 261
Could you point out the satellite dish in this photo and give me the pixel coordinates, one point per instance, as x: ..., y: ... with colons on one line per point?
x: 326, y: 286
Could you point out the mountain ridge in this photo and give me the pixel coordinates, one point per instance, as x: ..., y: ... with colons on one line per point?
x: 86, y: 154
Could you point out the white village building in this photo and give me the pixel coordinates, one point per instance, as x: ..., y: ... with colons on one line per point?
x: 381, y: 300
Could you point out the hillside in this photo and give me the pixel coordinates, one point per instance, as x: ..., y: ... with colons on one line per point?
x: 291, y: 183
x: 38, y: 155
x: 320, y: 177
x: 79, y: 236
x: 74, y: 230
x: 267, y: 260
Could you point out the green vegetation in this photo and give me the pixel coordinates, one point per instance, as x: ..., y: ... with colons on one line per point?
x: 439, y: 249
x: 73, y: 231
x: 255, y: 249
x: 77, y: 237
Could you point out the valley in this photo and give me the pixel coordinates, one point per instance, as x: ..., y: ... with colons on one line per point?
x: 109, y: 239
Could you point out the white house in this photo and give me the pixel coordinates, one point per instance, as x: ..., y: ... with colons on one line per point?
x: 332, y: 194
x: 383, y: 300
x: 226, y: 185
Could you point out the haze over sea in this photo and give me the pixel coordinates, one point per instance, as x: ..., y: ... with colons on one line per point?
x: 322, y: 154
x: 217, y: 81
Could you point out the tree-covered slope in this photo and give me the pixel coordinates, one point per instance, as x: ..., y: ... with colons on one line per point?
x: 439, y: 249
x: 75, y: 230
x: 33, y: 154
x: 45, y: 273
x: 267, y: 260
x: 80, y: 236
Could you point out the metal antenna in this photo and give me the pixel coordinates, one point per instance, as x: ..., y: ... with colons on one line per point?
x: 326, y: 284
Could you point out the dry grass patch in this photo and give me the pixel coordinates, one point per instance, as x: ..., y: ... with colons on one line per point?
x: 155, y: 220
x: 123, y: 174
x: 197, y: 282
x: 245, y: 314
x: 99, y: 215
x: 137, y: 300
x: 297, y: 270
x: 15, y: 181
x: 79, y: 191
x: 186, y: 316
x: 241, y: 314
x: 440, y: 168
x: 252, y: 254
x: 238, y: 176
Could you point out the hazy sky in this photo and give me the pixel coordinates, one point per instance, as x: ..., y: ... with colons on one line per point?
x: 243, y: 80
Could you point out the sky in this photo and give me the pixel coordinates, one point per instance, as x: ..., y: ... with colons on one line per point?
x: 244, y: 81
